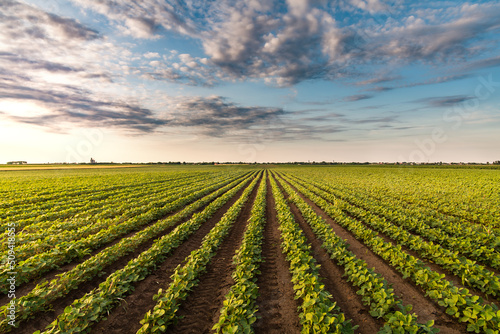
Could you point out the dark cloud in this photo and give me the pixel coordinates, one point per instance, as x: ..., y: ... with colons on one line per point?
x: 21, y: 21
x: 483, y: 63
x: 354, y: 98
x: 216, y: 117
x: 444, y: 102
x: 73, y: 106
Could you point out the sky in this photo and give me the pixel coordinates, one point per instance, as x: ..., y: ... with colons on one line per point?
x: 250, y: 81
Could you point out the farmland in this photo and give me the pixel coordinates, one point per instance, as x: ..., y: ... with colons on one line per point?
x: 242, y: 249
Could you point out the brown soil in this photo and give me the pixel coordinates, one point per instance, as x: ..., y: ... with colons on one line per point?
x: 201, y: 309
x: 456, y: 280
x: 437, y: 268
x: 277, y: 307
x: 486, y: 266
x: 409, y: 293
x: 24, y: 289
x: 142, y: 298
x: 344, y: 294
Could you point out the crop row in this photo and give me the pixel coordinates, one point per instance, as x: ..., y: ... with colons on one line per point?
x: 38, y: 187
x: 186, y: 275
x: 318, y: 313
x: 67, y: 251
x: 43, y: 294
x: 471, y: 274
x: 455, y: 236
x: 75, y: 190
x: 84, y: 312
x: 372, y: 287
x: 458, y: 302
x: 469, y: 196
x: 239, y: 307
x: 116, y: 202
x: 30, y: 244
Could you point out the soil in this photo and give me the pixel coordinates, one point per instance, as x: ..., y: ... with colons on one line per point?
x: 409, y: 293
x: 201, y: 309
x: 277, y: 306
x: 142, y: 297
x: 344, y: 294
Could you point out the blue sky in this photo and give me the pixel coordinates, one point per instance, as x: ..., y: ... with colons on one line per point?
x: 156, y: 80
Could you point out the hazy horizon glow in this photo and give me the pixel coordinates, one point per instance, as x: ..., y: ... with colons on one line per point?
x: 296, y: 80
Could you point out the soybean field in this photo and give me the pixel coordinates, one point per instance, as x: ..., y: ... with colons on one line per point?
x: 250, y: 249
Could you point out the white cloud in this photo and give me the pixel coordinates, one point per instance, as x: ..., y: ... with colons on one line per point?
x: 152, y: 55
x: 371, y: 6
x: 288, y: 42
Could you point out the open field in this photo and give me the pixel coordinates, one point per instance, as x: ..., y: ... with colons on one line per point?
x: 264, y: 249
x: 69, y: 166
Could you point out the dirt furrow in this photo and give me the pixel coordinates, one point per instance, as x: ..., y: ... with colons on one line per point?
x: 27, y: 287
x: 277, y: 307
x: 456, y: 280
x: 344, y: 294
x: 125, y: 318
x: 201, y: 309
x: 414, y: 233
x: 407, y: 291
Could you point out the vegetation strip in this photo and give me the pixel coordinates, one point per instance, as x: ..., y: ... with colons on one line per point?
x: 477, y: 245
x: 471, y: 274
x: 186, y: 275
x: 43, y: 294
x: 67, y: 251
x: 382, y: 204
x: 34, y: 216
x: 318, y: 313
x: 457, y: 302
x: 37, y: 243
x: 239, y: 307
x: 373, y: 288
x: 91, y: 308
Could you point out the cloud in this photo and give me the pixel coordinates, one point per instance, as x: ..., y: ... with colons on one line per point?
x: 358, y: 97
x: 372, y: 6
x: 483, y: 63
x: 21, y: 21
x: 432, y: 81
x: 17, y: 60
x: 453, y: 37
x: 216, y: 117
x: 38, y: 44
x: 378, y: 80
x: 69, y: 106
x: 444, y: 102
x: 152, y: 55
x: 46, y: 58
x: 143, y: 19
x: 284, y: 43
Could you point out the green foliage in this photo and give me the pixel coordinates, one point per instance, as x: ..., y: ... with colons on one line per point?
x: 186, y: 275
x: 317, y: 312
x: 458, y: 302
x: 239, y: 307
x: 94, y: 305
